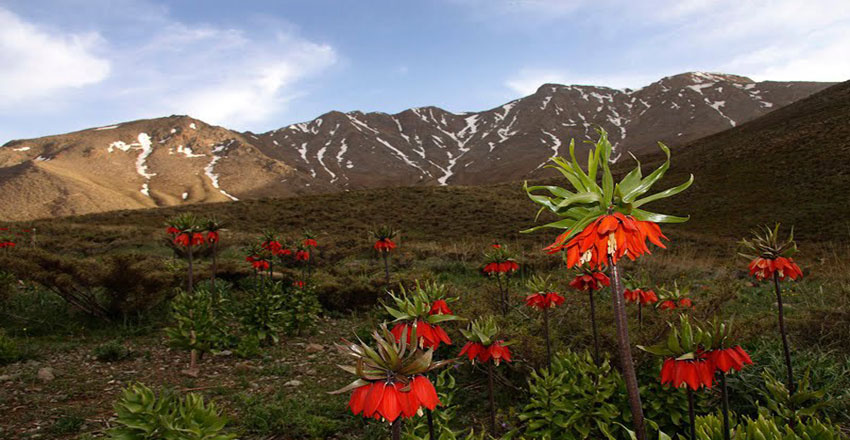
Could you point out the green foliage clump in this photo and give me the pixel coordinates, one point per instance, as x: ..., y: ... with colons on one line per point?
x: 145, y: 416
x: 292, y: 417
x: 666, y: 408
x: 710, y: 427
x: 302, y: 310
x: 9, y: 351
x: 263, y: 314
x: 197, y: 322
x: 443, y: 417
x: 575, y: 399
x: 783, y: 406
x: 112, y: 351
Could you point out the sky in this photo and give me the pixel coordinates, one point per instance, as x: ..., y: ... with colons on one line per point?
x: 67, y: 65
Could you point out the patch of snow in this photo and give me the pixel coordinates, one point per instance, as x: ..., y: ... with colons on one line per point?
x: 187, y: 151
x: 545, y: 102
x: 275, y: 142
x: 173, y: 130
x: 716, y: 106
x: 320, y: 155
x: 111, y: 127
x: 698, y: 87
x: 193, y: 126
x: 185, y: 195
x: 141, y: 165
x: 471, y: 126
x: 21, y: 149
x: 402, y: 156
x: 556, y: 145
x: 359, y: 125
x: 42, y: 159
x: 303, y: 151
x: 209, y: 170
x: 145, y: 189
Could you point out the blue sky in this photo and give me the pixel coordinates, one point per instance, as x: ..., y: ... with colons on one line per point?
x: 253, y: 65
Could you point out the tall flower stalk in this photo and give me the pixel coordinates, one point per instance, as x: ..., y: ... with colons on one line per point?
x: 725, y: 358
x: 384, y: 244
x: 500, y: 264
x: 484, y: 347
x: 391, y: 380
x: 543, y: 299
x: 770, y: 259
x: 590, y: 281
x: 213, y: 237
x: 604, y: 222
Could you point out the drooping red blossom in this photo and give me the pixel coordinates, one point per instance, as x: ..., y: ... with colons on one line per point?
x: 693, y: 373
x: 429, y: 335
x: 726, y: 359
x: 391, y: 400
x: 7, y: 244
x: 501, y: 267
x: 189, y: 239
x: 615, y: 234
x: 440, y: 307
x: 590, y: 280
x: 496, y: 246
x: 640, y: 295
x: 197, y: 239
x: 667, y: 305
x: 384, y: 245
x: 544, y: 300
x: 302, y: 255
x: 272, y: 246
x: 212, y: 237
x: 495, y: 351
x: 764, y: 268
x: 171, y: 230
x: 310, y: 242
x: 257, y: 262
x: 299, y: 284
x: 686, y: 303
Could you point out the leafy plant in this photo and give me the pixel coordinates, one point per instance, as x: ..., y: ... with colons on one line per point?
x: 143, y: 415
x: 710, y: 427
x: 112, y: 351
x: 197, y: 325
x: 302, y: 309
x: 264, y: 314
x: 9, y: 351
x: 575, y: 399
x: 784, y: 406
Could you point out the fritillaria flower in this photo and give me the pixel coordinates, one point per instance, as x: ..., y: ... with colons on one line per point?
x: 485, y: 347
x: 500, y: 264
x: 420, y: 311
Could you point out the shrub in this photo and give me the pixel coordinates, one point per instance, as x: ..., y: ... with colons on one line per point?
x: 263, y: 314
x: 112, y: 351
x: 576, y: 399
x: 710, y: 427
x: 144, y: 415
x: 7, y: 285
x: 9, y: 351
x: 302, y: 310
x: 195, y: 312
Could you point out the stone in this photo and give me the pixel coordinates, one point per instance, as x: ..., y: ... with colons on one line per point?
x: 314, y: 348
x: 293, y: 383
x: 46, y: 374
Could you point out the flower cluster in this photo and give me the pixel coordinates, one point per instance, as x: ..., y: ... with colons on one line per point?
x: 615, y: 235
x: 764, y: 268
x: 499, y: 261
x: 642, y: 296
x: 590, y: 280
x: 483, y: 345
x: 419, y: 312
x: 544, y: 300
x: 675, y: 298
x: 769, y: 255
x: 383, y: 239
x: 390, y: 399
x: 430, y: 336
x: 188, y: 231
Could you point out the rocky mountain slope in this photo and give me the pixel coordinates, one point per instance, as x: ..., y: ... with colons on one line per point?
x: 178, y: 160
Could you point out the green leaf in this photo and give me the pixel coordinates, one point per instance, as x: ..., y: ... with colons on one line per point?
x: 664, y: 194
x: 658, y: 218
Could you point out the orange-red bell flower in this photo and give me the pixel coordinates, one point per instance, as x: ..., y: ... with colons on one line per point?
x: 384, y: 245
x: 440, y: 307
x: 544, y: 300
x: 693, y: 373
x: 590, y: 280
x: 495, y: 351
x: 726, y: 359
x: 429, y: 335
x: 764, y: 268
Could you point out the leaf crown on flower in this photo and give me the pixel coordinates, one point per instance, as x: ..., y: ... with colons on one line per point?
x: 587, y: 199
x: 390, y: 360
x: 415, y: 304
x: 186, y: 223
x: 765, y: 243
x: 683, y: 342
x: 483, y: 331
x: 384, y: 232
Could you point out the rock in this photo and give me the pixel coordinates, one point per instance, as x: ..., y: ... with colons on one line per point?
x: 46, y: 374
x: 9, y: 377
x: 293, y: 383
x: 314, y: 348
x: 223, y: 353
x: 244, y: 367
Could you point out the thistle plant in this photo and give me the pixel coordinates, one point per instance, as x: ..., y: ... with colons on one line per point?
x: 603, y: 223
x: 543, y: 298
x: 500, y: 264
x: 383, y: 245
x: 391, y: 380
x: 484, y: 347
x: 591, y: 280
x: 771, y: 258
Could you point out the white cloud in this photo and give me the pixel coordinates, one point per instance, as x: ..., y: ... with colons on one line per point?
x: 37, y: 62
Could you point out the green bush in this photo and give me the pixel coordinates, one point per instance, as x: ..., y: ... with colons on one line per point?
x: 710, y: 427
x: 783, y: 406
x: 443, y: 416
x: 292, y: 417
x: 9, y: 351
x: 195, y: 312
x: 112, y: 351
x: 302, y: 310
x: 576, y: 399
x: 145, y: 416
x: 663, y: 405
x: 263, y: 313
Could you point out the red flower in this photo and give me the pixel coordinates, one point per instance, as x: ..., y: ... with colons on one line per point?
x: 389, y: 400
x: 726, y: 359
x: 384, y: 245
x: 764, y: 268
x: 593, y: 280
x: 544, y: 300
x: 182, y: 239
x: 496, y: 246
x: 172, y: 230
x: 299, y: 284
x: 616, y: 234
x: 429, y: 336
x: 212, y: 236
x: 643, y: 296
x: 302, y: 255
x: 501, y: 267
x: 197, y: 239
x: 668, y: 305
x: 477, y: 351
x: 273, y: 246
x: 310, y: 242
x: 694, y: 373
x: 686, y: 303
x: 440, y: 307
x: 7, y: 244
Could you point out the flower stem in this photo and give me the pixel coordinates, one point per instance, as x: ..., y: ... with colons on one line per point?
x: 492, y: 399
x: 386, y: 267
x: 431, y: 436
x: 546, y: 337
x: 627, y: 364
x: 593, y: 325
x: 785, y: 346
x: 214, y: 265
x: 502, y: 295
x: 725, y: 393
x: 189, y: 277
x: 691, y: 414
x: 395, y: 429
x: 640, y: 317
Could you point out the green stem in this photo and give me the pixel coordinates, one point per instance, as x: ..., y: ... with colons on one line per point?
x: 725, y: 393
x: 691, y: 414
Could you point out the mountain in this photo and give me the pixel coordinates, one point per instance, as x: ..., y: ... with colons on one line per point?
x: 180, y: 160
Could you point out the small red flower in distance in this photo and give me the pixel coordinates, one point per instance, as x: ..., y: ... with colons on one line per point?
x: 763, y: 268
x: 544, y: 300
x: 594, y: 280
x: 495, y: 351
x: 212, y: 237
x: 384, y: 245
x: 615, y: 234
x: 440, y: 307
x: 668, y: 305
x: 430, y: 336
x: 310, y: 242
x: 726, y: 359
x: 299, y: 284
x: 302, y: 255
x: 686, y: 303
